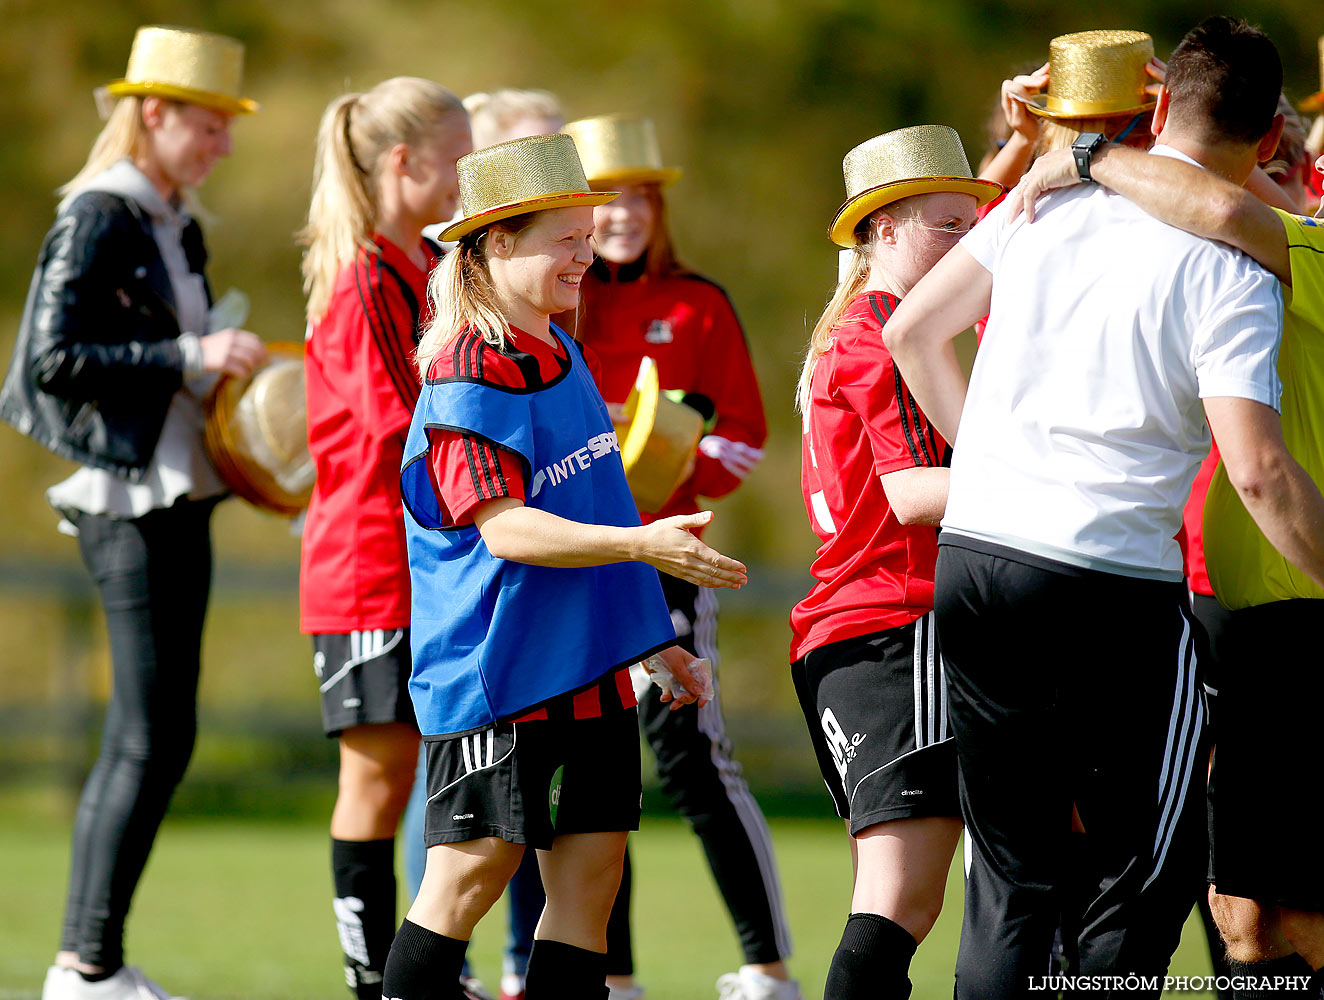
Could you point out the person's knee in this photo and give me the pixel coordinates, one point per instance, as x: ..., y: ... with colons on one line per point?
x: 914, y: 906
x: 160, y: 752
x: 377, y: 773
x: 463, y: 882
x: 1250, y: 932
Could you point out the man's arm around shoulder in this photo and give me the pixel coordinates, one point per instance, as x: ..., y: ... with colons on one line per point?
x: 1174, y: 192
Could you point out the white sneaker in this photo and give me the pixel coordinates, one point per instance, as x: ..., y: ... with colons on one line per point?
x: 632, y: 993
x: 748, y: 984
x: 127, y: 984
x: 473, y: 988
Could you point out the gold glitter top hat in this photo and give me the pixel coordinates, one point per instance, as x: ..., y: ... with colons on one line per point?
x: 181, y: 64
x: 256, y: 433
x: 1096, y: 74
x: 1315, y: 102
x: 910, y: 161
x: 617, y: 149
x: 533, y: 174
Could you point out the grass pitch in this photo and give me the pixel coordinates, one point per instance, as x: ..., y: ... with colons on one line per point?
x: 231, y: 908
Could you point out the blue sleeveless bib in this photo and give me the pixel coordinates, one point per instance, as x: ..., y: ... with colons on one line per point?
x: 493, y: 638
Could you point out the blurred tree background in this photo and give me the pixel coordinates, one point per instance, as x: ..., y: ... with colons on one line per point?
x: 757, y: 100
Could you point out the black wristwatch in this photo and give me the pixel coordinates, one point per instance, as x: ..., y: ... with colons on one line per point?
x: 1083, y: 149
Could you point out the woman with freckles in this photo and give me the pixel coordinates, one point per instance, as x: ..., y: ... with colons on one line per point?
x: 533, y: 590
x: 865, y: 656
x: 640, y: 301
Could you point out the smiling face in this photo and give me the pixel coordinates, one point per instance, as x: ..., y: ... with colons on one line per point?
x: 185, y: 140
x: 539, y: 269
x: 623, y: 228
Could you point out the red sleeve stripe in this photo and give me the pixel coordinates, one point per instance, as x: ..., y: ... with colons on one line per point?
x: 473, y: 466
x: 492, y: 461
x: 484, y: 468
x: 901, y: 401
x: 930, y: 457
x: 407, y: 338
x: 905, y: 422
x: 379, y: 323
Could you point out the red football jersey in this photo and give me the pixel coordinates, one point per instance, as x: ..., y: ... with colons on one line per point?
x: 873, y: 572
x: 1197, y: 575
x: 467, y: 470
x: 362, y: 386
x: 689, y: 327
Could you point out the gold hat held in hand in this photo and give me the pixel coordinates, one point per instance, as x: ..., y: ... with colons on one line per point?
x: 533, y: 174
x: 181, y: 64
x: 618, y: 149
x: 909, y: 161
x: 257, y: 433
x: 1096, y: 74
x: 659, y: 438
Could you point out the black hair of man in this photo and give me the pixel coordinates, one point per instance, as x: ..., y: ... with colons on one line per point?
x: 1227, y: 75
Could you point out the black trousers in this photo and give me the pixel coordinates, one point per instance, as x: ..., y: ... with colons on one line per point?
x: 1071, y: 686
x: 154, y: 575
x: 702, y: 779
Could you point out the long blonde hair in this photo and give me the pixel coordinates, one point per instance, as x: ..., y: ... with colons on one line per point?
x: 356, y: 131
x: 122, y: 136
x: 856, y: 277
x: 461, y: 294
x: 851, y: 284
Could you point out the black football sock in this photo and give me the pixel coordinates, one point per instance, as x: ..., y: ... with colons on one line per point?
x: 1269, y: 979
x: 364, y: 875
x: 559, y: 970
x: 423, y: 965
x: 872, y: 961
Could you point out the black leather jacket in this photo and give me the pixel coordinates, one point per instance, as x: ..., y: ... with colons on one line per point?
x: 98, y: 355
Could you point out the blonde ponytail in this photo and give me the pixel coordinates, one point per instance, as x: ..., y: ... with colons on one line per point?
x: 356, y: 132
x: 461, y: 294
x: 122, y: 136
x: 856, y: 277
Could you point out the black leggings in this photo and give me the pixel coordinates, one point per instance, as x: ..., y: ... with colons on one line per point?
x: 153, y: 574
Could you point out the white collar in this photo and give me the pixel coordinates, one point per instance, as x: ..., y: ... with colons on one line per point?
x: 1162, y: 149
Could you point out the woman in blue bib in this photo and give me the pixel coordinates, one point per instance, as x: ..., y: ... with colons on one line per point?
x: 533, y: 585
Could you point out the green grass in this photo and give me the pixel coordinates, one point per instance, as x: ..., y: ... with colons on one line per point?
x: 240, y: 909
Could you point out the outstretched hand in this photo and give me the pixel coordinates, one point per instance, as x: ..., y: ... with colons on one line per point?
x: 669, y: 545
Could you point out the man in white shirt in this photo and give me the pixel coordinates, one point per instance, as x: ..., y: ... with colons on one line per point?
x: 1066, y: 636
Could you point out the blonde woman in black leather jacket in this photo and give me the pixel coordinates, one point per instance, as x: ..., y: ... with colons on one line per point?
x: 113, y: 359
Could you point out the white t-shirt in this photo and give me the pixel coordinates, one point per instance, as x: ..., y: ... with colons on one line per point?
x: 1083, y: 427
